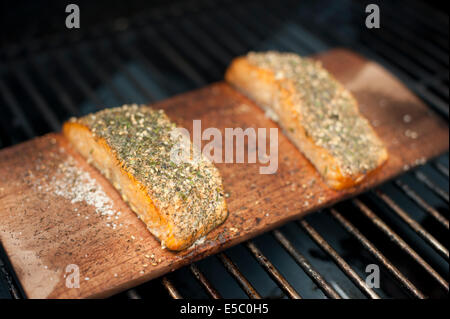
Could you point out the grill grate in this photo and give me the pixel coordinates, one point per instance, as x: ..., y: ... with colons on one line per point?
x: 402, y: 226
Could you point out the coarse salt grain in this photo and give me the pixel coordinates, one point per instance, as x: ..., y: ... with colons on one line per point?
x: 75, y: 184
x: 199, y: 241
x: 407, y: 118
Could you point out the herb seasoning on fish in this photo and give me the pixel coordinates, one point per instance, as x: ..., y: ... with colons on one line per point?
x: 189, y: 194
x: 326, y: 110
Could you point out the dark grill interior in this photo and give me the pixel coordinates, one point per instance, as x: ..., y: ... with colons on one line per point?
x: 402, y: 226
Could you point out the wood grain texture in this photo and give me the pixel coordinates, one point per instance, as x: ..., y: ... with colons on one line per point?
x: 42, y: 232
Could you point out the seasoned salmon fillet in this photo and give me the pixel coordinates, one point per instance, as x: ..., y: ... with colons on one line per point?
x: 179, y: 201
x: 315, y: 111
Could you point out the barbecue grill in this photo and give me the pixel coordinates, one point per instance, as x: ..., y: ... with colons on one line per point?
x: 400, y: 227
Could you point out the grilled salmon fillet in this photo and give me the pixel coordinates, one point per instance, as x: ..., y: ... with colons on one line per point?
x: 315, y: 111
x: 179, y: 201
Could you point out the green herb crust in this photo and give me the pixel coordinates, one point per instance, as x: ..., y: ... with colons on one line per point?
x: 189, y: 194
x: 327, y: 111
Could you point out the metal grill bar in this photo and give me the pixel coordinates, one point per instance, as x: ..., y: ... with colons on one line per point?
x: 135, y: 52
x: 377, y: 254
x: 239, y: 32
x: 176, y: 59
x: 119, y: 66
x: 173, y: 292
x: 272, y: 271
x: 279, y: 14
x: 233, y: 44
x: 306, y: 266
x: 191, y: 50
x: 431, y: 185
x: 102, y: 75
x: 241, y: 280
x: 407, y: 67
x: 422, y: 203
x: 403, y: 47
x: 398, y: 27
x: 43, y: 107
x: 399, y: 241
x: 413, y: 224
x: 207, y: 41
x: 371, y: 51
x: 18, y: 113
x: 258, y: 29
x: 388, y: 45
x: 239, y: 29
x: 340, y: 262
x: 66, y: 101
x: 305, y: 39
x: 75, y: 76
x: 441, y: 168
x: 281, y: 42
x: 167, y: 284
x: 133, y: 294
x: 14, y: 291
x: 204, y: 281
x: 415, y: 12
